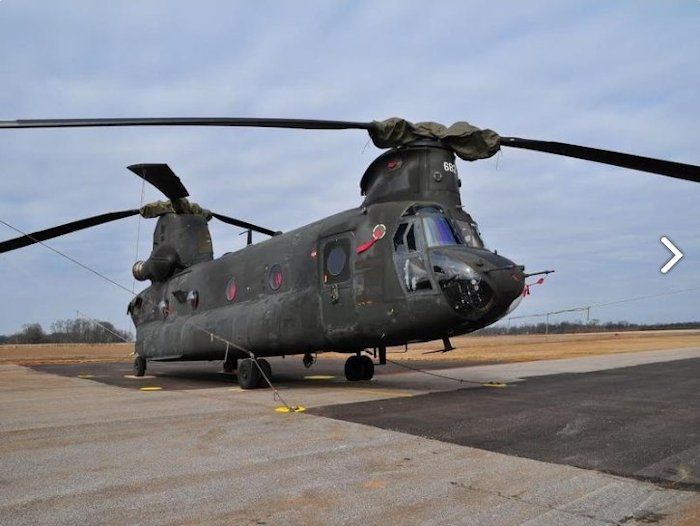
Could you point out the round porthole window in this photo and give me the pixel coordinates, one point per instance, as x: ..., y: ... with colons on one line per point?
x: 231, y: 290
x: 275, y: 277
x: 337, y: 258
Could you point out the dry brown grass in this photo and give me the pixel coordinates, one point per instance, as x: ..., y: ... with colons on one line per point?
x: 548, y: 347
x: 468, y: 348
x: 66, y: 353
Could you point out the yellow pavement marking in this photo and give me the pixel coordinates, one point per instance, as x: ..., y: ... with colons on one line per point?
x: 494, y: 384
x: 319, y: 377
x: 150, y: 389
x: 285, y: 409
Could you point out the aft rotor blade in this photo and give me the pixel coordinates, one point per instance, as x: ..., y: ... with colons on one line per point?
x: 306, y: 124
x: 688, y: 172
x: 244, y: 224
x: 49, y: 233
x: 162, y: 177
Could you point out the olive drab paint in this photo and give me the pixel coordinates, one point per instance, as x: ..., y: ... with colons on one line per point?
x: 332, y: 297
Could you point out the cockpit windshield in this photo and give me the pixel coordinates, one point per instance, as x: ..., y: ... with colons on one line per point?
x: 438, y: 231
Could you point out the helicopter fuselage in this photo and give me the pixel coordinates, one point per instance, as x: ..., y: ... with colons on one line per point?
x: 390, y: 272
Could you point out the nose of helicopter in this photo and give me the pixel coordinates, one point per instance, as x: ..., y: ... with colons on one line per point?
x: 478, y: 283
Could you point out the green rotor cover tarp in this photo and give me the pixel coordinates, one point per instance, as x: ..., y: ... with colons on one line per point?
x: 468, y: 142
x: 182, y: 206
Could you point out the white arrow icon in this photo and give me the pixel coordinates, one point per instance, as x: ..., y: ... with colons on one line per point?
x: 677, y: 254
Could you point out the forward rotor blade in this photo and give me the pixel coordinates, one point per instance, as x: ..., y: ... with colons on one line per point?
x: 49, y: 233
x: 688, y: 172
x: 162, y: 177
x: 307, y: 124
x: 244, y: 224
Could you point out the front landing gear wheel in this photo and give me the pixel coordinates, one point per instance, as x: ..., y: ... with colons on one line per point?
x: 248, y: 374
x: 139, y: 366
x: 359, y: 368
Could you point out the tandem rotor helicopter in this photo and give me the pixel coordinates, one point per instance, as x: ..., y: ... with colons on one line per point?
x: 407, y: 265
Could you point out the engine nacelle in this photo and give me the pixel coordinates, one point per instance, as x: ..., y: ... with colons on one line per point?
x: 159, y: 266
x: 179, y: 241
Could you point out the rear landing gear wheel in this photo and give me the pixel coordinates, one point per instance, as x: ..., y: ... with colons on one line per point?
x: 248, y: 374
x: 139, y: 366
x: 353, y: 369
x: 267, y: 369
x: 367, y: 367
x: 359, y: 368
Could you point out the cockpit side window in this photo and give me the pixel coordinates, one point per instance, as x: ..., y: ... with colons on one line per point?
x: 409, y: 260
x: 471, y: 234
x: 398, y: 237
x: 411, y: 239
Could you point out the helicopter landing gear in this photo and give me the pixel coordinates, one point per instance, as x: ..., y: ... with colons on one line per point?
x: 230, y: 365
x: 267, y: 369
x: 359, y: 368
x: 309, y: 360
x: 249, y: 376
x: 139, y: 366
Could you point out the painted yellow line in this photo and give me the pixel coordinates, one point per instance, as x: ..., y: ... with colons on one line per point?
x: 85, y: 376
x: 319, y: 377
x: 494, y: 384
x: 236, y: 390
x: 150, y: 388
x: 285, y: 409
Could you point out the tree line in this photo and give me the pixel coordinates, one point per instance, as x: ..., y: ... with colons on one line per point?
x: 78, y: 330
x: 569, y: 327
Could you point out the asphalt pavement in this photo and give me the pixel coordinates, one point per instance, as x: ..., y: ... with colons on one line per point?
x: 588, y: 441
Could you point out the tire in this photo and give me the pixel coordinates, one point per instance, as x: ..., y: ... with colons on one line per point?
x: 353, y: 369
x: 248, y: 374
x: 139, y: 366
x: 267, y: 369
x: 367, y: 367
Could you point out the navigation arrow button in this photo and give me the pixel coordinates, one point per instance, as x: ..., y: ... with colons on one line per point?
x: 677, y: 254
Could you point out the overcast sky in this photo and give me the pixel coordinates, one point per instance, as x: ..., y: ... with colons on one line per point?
x: 621, y: 75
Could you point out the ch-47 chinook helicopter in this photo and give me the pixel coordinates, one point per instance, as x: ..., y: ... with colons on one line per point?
x: 407, y: 265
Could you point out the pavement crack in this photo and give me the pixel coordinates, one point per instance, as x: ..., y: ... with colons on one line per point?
x: 517, y: 497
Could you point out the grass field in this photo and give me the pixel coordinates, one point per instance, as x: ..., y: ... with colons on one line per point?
x: 468, y: 348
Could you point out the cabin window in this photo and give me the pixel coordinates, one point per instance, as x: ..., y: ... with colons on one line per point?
x: 275, y: 278
x: 336, y: 263
x: 337, y: 259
